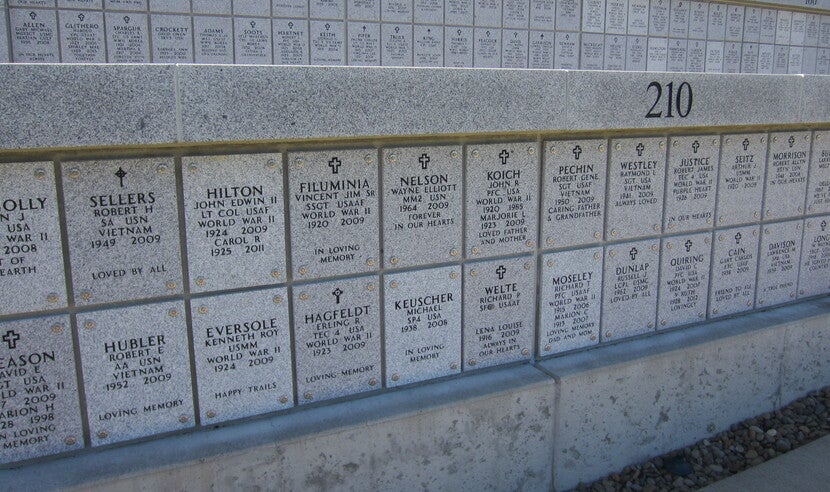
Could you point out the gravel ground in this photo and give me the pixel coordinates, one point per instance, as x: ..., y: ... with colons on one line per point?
x: 744, y: 445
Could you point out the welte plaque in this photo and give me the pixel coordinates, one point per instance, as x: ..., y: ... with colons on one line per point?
x: 690, y: 188
x: 741, y: 178
x: 814, y: 274
x: 818, y: 190
x: 787, y: 168
x: 778, y: 263
x: 734, y: 266
x: 684, y: 279
x: 635, y: 188
x: 629, y: 296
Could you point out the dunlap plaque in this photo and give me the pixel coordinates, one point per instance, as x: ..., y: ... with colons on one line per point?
x: 629, y: 296
x: 684, y: 279
x: 734, y: 267
x: 787, y: 168
x: 814, y: 274
x: 778, y: 263
x: 635, y: 188
x: 690, y: 193
x: 741, y: 178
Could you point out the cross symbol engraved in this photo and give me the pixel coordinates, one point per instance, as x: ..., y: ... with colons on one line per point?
x: 633, y: 254
x: 738, y: 238
x: 11, y: 337
x: 337, y: 293
x: 640, y: 148
x: 327, y: 26
x: 253, y: 24
x: 33, y: 15
x: 503, y: 155
x: 291, y: 25
x: 500, y: 271
x: 577, y: 150
x: 746, y: 143
x: 120, y: 175
x: 695, y: 146
x: 823, y: 225
x: 81, y: 17
x: 424, y: 160
x: 335, y: 164
x: 791, y: 141
x: 688, y: 245
x: 126, y: 19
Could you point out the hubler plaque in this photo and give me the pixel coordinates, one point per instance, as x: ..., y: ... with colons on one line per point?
x: 629, y: 296
x: 741, y: 179
x: 734, y: 266
x: 778, y: 263
x: 690, y: 191
x: 814, y: 275
x: 787, y: 168
x: 684, y: 279
x: 635, y: 188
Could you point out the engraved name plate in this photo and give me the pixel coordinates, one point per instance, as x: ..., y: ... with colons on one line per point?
x: 778, y: 263
x: 741, y: 178
x: 684, y: 279
x: 814, y: 274
x: 690, y: 192
x: 635, y: 188
x: 629, y: 297
x: 787, y: 167
x: 818, y: 191
x: 34, y: 36
x: 82, y: 37
x: 734, y: 266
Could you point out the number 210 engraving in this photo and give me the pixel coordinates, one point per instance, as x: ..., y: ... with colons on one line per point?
x: 680, y: 102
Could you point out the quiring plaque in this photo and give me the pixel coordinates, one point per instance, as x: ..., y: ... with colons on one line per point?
x: 684, y: 279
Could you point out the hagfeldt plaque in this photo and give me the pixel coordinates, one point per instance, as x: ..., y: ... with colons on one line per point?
x: 334, y: 212
x: 818, y: 189
x: 741, y: 178
x: 135, y: 362
x: 787, y: 168
x: 499, y: 311
x: 31, y: 258
x: 690, y: 191
x: 635, y: 188
x: 123, y: 229
x: 734, y: 267
x: 814, y: 274
x: 423, y: 325
x: 684, y: 279
x: 40, y: 413
x: 233, y: 209
x: 570, y: 302
x: 242, y: 348
x: 502, y: 198
x: 422, y: 189
x: 574, y: 192
x: 337, y: 338
x: 778, y: 263
x: 629, y: 296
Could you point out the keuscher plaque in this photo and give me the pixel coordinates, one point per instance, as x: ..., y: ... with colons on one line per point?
x: 690, y: 193
x: 684, y: 279
x: 734, y: 265
x: 814, y: 274
x: 778, y: 263
x: 787, y: 167
x: 629, y: 297
x: 234, y: 213
x: 741, y: 179
x: 635, y: 188
x: 122, y: 225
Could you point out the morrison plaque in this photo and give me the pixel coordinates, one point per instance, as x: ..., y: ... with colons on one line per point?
x: 787, y: 167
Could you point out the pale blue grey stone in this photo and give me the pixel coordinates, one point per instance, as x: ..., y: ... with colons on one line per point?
x: 212, y: 8
x: 658, y: 18
x: 638, y: 17
x: 732, y: 58
x: 293, y: 9
x: 566, y: 51
x: 458, y: 12
x: 487, y: 13
x: 814, y: 274
x: 364, y: 44
x: 615, y: 49
x: 788, y: 163
x: 818, y: 186
x: 82, y: 36
x: 691, y: 183
x: 769, y: 18
x: 657, y: 54
x: 734, y: 267
x: 327, y: 43
x: 171, y: 6
x: 798, y: 31
x: 543, y: 14
x: 515, y: 13
x: 133, y: 5
x: 396, y: 11
x: 676, y: 55
x: 4, y: 37
x: 592, y: 51
x: 749, y: 58
x: 783, y: 27
x: 34, y: 35
x: 778, y: 263
x: 630, y: 287
x: 364, y: 10
x: 327, y: 9
x: 514, y: 48
x: 766, y: 58
x: 684, y: 279
x: 616, y: 16
x: 752, y: 25
x: 213, y: 39
x: 429, y: 11
x: 568, y: 13
x: 428, y: 46
x: 290, y: 41
x: 635, y: 53
x: 743, y: 165
x: 593, y: 16
x: 714, y: 57
x: 252, y: 41
x: 396, y: 45
x: 458, y: 47
x: 716, y: 29
x: 679, y: 20
x: 128, y: 38
x: 486, y: 47
x: 254, y: 8
x: 696, y: 55
x: 815, y: 94
x: 172, y: 38
x: 735, y: 23
x: 80, y: 4
x: 541, y: 49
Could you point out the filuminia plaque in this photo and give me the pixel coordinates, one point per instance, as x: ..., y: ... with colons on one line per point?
x: 422, y: 190
x: 778, y: 263
x: 818, y: 191
x: 327, y: 9
x: 657, y: 55
x: 334, y: 212
x: 82, y: 37
x: 635, y: 188
x: 787, y: 168
x: 629, y: 296
x: 135, y: 362
x: 290, y: 41
x: 123, y: 229
x: 616, y: 16
x: 570, y: 303
x: 34, y: 35
x: 574, y: 192
x: 337, y: 338
x: 361, y: 10
x: 696, y: 55
x: 752, y: 25
x: 242, y: 347
x: 212, y: 39
x: 172, y: 39
x: 741, y: 179
x: 502, y: 198
x: 781, y: 58
x: 734, y: 265
x: 690, y: 192
x: 428, y: 46
x: 234, y: 213
x: 499, y: 311
x: 396, y: 10
x: 299, y: 8
x: 732, y: 58
x: 423, y: 325
x: 765, y: 58
x: 40, y: 413
x: 684, y: 279
x: 798, y: 31
x: 814, y: 275
x: 749, y: 58
x: 31, y: 258
x: 515, y: 13
x: 426, y: 11
x: 714, y: 56
x: 783, y: 27
x: 127, y: 38
x: 543, y: 14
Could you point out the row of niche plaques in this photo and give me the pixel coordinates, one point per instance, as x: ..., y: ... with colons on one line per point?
x: 135, y: 361
x: 122, y: 216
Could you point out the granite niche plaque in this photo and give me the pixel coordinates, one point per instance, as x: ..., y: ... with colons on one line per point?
x: 698, y: 20
x: 458, y: 47
x: 499, y: 311
x: 39, y: 409
x: 502, y: 198
x: 814, y: 274
x: 334, y: 212
x: 487, y: 48
x: 566, y: 51
x: 127, y: 38
x: 679, y: 20
x: 818, y: 189
x: 629, y: 296
x: 458, y: 12
x: 423, y: 325
x: 574, y: 192
x: 734, y: 265
x: 428, y: 46
x: 34, y: 36
x: 787, y: 168
x: 422, y: 193
x: 327, y: 45
x: 337, y: 338
x: 252, y: 41
x: 290, y: 41
x: 684, y: 279
x: 242, y: 347
x: 122, y: 226
x: 568, y: 13
x: 82, y: 37
x: 514, y: 49
x: 635, y: 53
x: 638, y: 17
x: 658, y: 18
x: 396, y: 45
x: 364, y: 44
x: 635, y: 188
x: 615, y: 52
x: 540, y: 53
x: 172, y: 38
x: 135, y: 362
x: 213, y: 39
x: 778, y: 263
x: 31, y: 258
x: 741, y: 178
x: 690, y: 192
x: 570, y: 303
x: 234, y: 214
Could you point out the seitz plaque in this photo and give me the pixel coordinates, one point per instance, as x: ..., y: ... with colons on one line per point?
x: 684, y: 279
x: 136, y: 371
x: 123, y: 229
x: 499, y: 311
x: 31, y: 258
x: 39, y: 409
x: 629, y: 296
x: 787, y: 168
x: 502, y: 198
x: 814, y: 274
x: 778, y: 263
x: 334, y: 212
x: 422, y: 337
x: 690, y: 190
x: 422, y: 193
x: 741, y: 179
x: 635, y: 188
x: 818, y: 189
x: 337, y: 338
x: 574, y: 192
x: 242, y: 348
x: 570, y: 302
x: 734, y: 266
x: 233, y: 208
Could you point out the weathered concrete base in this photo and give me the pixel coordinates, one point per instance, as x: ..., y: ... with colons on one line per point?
x: 569, y: 419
